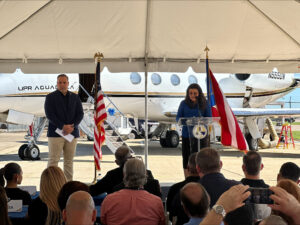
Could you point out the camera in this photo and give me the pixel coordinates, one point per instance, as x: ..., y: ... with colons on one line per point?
x: 260, y: 196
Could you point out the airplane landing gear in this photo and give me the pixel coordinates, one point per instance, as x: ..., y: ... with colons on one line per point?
x: 252, y: 142
x: 29, y: 151
x: 169, y: 139
x: 22, y: 151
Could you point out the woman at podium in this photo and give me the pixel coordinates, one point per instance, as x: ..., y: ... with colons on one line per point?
x: 194, y: 105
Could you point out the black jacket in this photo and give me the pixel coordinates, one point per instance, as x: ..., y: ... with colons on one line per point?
x: 37, y: 212
x: 254, y: 183
x: 18, y: 194
x: 174, y: 206
x: 59, y: 113
x: 216, y: 184
x: 152, y: 186
x: 110, y: 180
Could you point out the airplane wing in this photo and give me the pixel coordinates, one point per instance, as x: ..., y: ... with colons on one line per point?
x: 256, y: 112
x: 260, y: 112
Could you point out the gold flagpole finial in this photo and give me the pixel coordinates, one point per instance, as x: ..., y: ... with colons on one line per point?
x: 206, y: 50
x: 98, y: 57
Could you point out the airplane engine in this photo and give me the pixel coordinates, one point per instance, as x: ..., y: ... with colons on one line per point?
x: 266, y: 82
x: 242, y: 76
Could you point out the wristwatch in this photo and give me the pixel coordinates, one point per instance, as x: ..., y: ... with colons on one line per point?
x: 219, y: 210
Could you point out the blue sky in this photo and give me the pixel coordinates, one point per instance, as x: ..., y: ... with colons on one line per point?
x: 294, y: 96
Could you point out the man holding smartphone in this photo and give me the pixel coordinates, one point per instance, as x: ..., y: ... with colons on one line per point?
x: 252, y: 165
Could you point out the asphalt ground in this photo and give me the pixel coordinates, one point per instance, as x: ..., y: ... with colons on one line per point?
x: 165, y: 163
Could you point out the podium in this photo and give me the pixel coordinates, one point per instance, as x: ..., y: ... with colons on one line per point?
x: 199, y: 127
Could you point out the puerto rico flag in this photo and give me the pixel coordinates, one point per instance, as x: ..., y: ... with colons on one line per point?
x: 231, y: 134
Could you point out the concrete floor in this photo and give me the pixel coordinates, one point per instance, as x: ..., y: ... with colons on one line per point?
x: 165, y: 164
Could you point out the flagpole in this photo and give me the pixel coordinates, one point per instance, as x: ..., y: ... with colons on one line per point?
x: 98, y: 57
x: 231, y: 134
x: 207, y: 78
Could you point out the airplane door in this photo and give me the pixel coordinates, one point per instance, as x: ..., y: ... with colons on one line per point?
x: 86, y: 81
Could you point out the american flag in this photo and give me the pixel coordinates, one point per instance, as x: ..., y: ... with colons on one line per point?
x: 99, y: 117
x: 231, y: 134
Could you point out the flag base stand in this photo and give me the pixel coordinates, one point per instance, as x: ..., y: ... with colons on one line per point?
x: 95, y: 175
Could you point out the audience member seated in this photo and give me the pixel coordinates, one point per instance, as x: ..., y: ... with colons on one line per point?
x: 195, y: 202
x: 45, y: 209
x: 66, y: 190
x: 13, y: 175
x: 80, y: 209
x: 115, y: 176
x: 292, y: 188
x: 209, y: 165
x: 132, y: 205
x: 229, y: 201
x: 4, y: 220
x: 241, y: 216
x: 174, y: 206
x: 152, y: 186
x: 252, y: 166
x: 290, y: 171
x: 234, y: 198
x: 286, y: 204
x: 273, y: 220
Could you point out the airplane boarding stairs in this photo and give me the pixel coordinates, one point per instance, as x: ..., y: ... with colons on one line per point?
x: 113, y: 139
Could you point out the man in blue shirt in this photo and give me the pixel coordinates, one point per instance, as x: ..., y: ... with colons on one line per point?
x: 64, y: 111
x: 195, y: 202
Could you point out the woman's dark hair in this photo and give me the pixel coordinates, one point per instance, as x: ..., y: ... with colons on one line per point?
x: 3, y: 208
x: 69, y: 188
x: 9, y: 171
x: 201, y: 98
x: 2, y: 181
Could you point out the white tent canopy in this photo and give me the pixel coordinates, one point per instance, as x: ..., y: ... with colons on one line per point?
x: 42, y: 36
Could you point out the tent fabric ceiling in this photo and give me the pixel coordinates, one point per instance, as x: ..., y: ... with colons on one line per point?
x: 63, y: 36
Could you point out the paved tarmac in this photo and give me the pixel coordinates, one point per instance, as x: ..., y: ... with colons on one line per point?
x: 165, y: 163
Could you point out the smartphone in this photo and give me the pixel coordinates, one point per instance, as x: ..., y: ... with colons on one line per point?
x: 260, y: 196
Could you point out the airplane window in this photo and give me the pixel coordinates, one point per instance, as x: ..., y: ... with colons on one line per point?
x: 135, y: 78
x: 156, y: 79
x: 192, y: 79
x: 175, y: 80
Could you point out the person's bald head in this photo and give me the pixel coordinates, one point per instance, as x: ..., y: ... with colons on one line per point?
x: 122, y: 154
x: 80, y: 209
x: 195, y: 199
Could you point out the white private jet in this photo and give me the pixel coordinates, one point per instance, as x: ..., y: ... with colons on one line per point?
x: 22, y: 97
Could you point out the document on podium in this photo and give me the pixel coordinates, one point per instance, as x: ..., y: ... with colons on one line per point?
x: 68, y: 137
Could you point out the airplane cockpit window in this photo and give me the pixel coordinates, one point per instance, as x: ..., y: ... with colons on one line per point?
x: 156, y: 79
x: 192, y: 79
x: 175, y: 80
x: 135, y: 78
